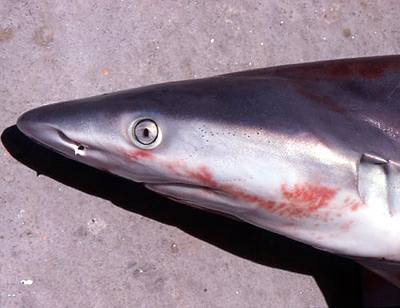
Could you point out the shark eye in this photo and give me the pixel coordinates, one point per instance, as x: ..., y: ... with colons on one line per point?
x: 145, y: 133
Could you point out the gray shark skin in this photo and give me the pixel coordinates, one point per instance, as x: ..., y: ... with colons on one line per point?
x: 309, y: 151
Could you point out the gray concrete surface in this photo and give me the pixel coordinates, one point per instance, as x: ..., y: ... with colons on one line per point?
x: 75, y: 237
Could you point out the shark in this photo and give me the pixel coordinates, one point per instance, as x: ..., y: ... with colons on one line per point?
x: 310, y: 151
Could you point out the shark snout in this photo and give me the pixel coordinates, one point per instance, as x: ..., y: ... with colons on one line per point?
x: 31, y: 123
x: 40, y: 125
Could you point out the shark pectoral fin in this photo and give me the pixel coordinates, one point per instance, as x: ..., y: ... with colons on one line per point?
x: 379, y: 182
x: 393, y: 175
x: 372, y: 181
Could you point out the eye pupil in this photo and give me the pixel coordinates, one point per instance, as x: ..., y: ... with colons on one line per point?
x: 146, y: 133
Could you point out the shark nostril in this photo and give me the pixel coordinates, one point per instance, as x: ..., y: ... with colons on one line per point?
x: 80, y: 149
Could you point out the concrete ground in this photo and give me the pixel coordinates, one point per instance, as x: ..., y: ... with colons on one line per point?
x: 71, y: 236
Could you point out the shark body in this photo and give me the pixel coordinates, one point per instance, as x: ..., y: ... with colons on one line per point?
x: 309, y: 151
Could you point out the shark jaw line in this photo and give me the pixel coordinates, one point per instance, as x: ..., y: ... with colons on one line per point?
x: 198, y: 196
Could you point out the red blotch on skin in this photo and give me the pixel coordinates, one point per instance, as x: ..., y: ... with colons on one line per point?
x: 251, y: 198
x: 346, y: 226
x: 138, y: 154
x: 356, y: 206
x: 176, y: 168
x: 353, y: 205
x: 314, y: 197
x: 304, y: 200
x: 204, y: 176
x: 324, y: 72
x: 325, y: 100
x: 301, y: 202
x: 368, y: 68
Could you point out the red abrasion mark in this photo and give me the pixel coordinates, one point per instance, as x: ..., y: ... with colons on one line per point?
x: 301, y: 202
x: 326, y: 217
x: 138, y: 154
x: 304, y: 200
x: 352, y: 204
x: 320, y: 238
x: 251, y: 198
x: 368, y: 68
x: 346, y: 226
x: 325, y: 100
x: 204, y: 176
x: 358, y: 69
x: 356, y: 206
x: 176, y: 168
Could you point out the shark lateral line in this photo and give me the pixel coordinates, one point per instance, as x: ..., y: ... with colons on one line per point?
x: 309, y: 151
